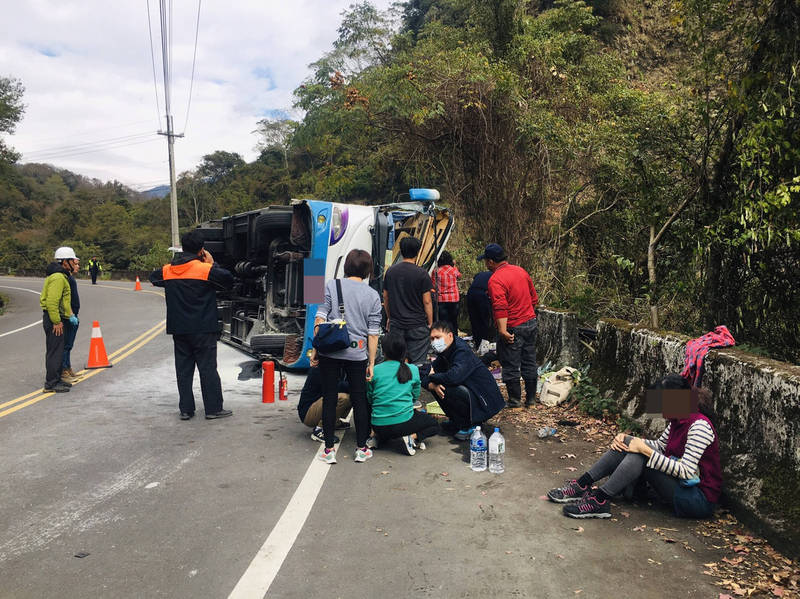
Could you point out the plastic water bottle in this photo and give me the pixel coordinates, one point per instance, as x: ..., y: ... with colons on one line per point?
x: 497, y: 451
x: 477, y: 450
x: 546, y: 431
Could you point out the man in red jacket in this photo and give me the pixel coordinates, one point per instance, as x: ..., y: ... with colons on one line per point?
x: 514, y: 300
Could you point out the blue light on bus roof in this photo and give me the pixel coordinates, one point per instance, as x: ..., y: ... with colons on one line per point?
x: 424, y: 194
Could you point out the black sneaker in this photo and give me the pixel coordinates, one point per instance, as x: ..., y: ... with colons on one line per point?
x: 59, y: 387
x: 342, y: 424
x: 514, y: 403
x: 572, y: 491
x: 588, y: 507
x: 318, y: 434
x: 220, y: 414
x: 187, y: 415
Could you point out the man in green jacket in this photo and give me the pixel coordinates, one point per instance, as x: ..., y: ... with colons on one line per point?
x: 55, y: 301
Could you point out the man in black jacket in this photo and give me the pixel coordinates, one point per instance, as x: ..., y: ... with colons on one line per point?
x: 465, y: 389
x: 190, y: 282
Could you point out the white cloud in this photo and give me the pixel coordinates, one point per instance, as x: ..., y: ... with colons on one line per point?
x: 87, y: 72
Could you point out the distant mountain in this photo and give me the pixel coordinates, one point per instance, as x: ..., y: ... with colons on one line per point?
x: 157, y: 192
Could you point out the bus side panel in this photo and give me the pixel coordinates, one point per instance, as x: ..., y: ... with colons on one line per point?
x: 319, y: 251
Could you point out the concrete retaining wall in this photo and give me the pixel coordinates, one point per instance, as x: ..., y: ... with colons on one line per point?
x: 557, y: 337
x: 758, y: 418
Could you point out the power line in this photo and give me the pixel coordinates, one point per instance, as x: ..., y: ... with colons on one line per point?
x: 90, y: 151
x: 67, y: 148
x: 153, y: 60
x: 80, y: 132
x: 194, y: 59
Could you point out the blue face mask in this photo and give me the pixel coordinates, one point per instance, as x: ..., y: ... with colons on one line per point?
x: 438, y: 345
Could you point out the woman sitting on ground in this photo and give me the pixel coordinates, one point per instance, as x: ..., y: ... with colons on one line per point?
x: 682, y: 466
x: 392, y: 391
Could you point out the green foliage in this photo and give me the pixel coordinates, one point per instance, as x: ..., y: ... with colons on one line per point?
x: 628, y: 425
x: 591, y: 400
x: 11, y: 110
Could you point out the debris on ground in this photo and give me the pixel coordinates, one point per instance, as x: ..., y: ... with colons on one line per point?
x: 748, y: 566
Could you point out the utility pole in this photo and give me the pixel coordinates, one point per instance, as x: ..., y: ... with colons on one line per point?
x: 173, y: 192
x: 166, y: 56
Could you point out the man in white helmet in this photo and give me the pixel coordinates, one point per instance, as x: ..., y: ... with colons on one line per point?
x: 55, y: 301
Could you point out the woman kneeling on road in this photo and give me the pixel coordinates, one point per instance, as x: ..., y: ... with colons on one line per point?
x: 682, y: 466
x: 392, y: 392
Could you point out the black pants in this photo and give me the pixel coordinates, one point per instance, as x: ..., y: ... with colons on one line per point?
x: 519, y: 359
x: 457, y: 404
x: 480, y: 318
x: 94, y: 276
x: 424, y: 425
x: 54, y: 354
x: 448, y: 311
x: 357, y: 376
x: 200, y: 350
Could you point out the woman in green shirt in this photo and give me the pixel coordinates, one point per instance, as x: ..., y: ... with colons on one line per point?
x: 391, y: 392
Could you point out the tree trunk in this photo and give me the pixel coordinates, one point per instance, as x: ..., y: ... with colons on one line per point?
x: 651, y: 272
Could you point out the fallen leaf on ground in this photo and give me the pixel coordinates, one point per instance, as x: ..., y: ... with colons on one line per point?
x: 571, y: 468
x: 384, y: 472
x: 444, y: 473
x: 508, y: 553
x: 740, y: 549
x: 626, y: 514
x: 559, y: 556
x: 734, y: 562
x: 669, y: 540
x: 640, y: 528
x: 567, y: 455
x: 579, y: 529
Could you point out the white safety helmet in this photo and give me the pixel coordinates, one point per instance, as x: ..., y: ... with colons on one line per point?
x: 65, y: 253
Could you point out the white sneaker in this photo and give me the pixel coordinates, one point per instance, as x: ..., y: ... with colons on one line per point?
x: 408, y: 445
x: 362, y: 455
x: 422, y: 446
x: 328, y: 456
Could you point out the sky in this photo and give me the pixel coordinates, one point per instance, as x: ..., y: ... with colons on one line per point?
x: 90, y: 98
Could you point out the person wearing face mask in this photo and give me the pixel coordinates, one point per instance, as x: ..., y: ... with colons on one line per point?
x: 190, y: 282
x: 464, y: 388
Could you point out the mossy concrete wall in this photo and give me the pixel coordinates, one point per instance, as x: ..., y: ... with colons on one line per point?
x: 757, y: 402
x: 557, y: 337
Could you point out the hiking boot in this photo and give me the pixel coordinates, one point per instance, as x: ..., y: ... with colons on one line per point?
x: 566, y: 494
x: 589, y: 507
x: 67, y: 378
x: 318, y: 434
x: 327, y: 455
x: 59, y: 387
x: 363, y: 454
x: 408, y: 445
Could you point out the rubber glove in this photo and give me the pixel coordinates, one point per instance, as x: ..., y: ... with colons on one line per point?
x: 74, y: 320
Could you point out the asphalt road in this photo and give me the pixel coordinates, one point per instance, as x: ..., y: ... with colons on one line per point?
x: 166, y: 508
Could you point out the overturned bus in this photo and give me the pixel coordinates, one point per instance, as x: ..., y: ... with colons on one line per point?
x: 281, y: 256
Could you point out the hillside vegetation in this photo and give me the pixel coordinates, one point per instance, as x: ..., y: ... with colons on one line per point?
x: 639, y: 158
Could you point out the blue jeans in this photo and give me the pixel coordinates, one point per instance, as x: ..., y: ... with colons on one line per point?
x: 70, y: 331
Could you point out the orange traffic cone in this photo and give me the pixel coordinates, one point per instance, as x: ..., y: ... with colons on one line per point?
x: 97, y: 349
x: 138, y: 285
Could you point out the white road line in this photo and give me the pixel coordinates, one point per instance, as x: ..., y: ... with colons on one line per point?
x: 21, y: 289
x: 27, y: 326
x: 258, y: 577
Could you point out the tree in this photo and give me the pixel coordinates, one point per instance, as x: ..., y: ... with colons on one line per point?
x: 11, y: 110
x: 219, y: 164
x: 276, y: 134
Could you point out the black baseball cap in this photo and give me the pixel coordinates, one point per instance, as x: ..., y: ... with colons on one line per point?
x: 493, y: 252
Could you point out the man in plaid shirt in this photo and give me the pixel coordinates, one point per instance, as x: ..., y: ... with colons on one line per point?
x: 514, y: 300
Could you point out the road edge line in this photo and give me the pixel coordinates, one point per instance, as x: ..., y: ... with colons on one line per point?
x: 266, y: 564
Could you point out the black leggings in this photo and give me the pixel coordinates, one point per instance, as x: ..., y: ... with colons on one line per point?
x: 424, y: 425
x: 357, y: 377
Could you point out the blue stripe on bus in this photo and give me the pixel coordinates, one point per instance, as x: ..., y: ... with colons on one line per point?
x: 317, y: 262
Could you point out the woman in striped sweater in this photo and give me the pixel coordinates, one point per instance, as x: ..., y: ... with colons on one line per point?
x: 682, y: 466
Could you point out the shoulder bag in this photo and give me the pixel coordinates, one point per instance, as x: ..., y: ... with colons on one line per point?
x: 333, y: 335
